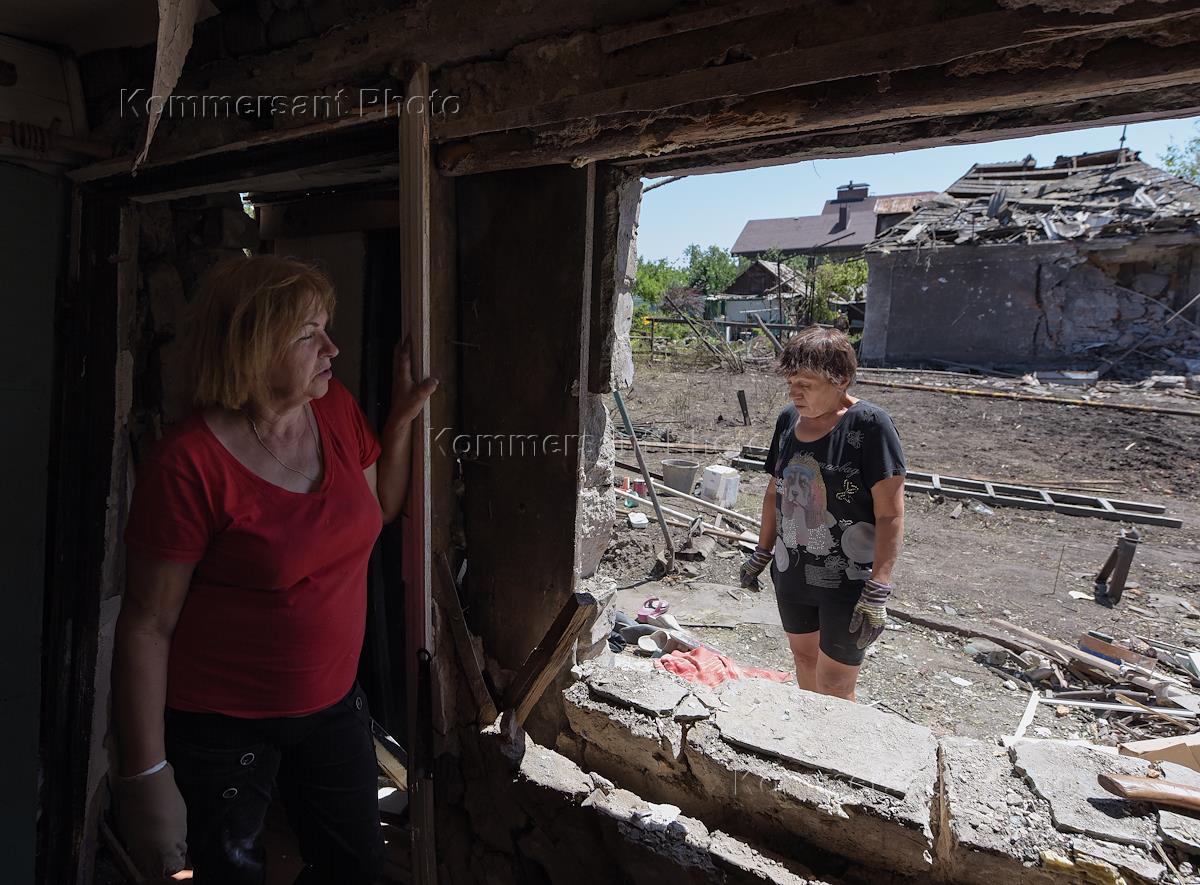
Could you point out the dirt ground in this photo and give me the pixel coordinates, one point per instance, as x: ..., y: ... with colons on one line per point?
x: 1016, y: 564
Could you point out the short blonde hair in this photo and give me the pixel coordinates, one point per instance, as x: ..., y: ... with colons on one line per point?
x: 245, y: 313
x: 821, y: 351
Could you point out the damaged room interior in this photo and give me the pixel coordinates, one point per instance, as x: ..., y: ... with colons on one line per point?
x: 859, y: 547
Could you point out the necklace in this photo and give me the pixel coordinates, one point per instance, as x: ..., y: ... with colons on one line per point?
x: 267, y: 448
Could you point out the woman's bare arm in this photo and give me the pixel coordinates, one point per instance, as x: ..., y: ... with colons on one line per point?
x: 888, y: 498
x: 154, y: 596
x: 766, y: 534
x: 395, y: 460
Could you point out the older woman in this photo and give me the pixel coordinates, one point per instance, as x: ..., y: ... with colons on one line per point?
x: 240, y: 630
x: 832, y: 516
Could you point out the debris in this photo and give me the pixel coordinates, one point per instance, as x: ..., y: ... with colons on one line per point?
x: 1118, y: 707
x: 1027, y: 716
x: 1027, y: 397
x: 1111, y: 651
x: 1181, y: 749
x: 960, y: 682
x: 957, y: 511
x: 741, y: 395
x: 1157, y: 790
x: 1079, y: 594
x: 668, y: 554
x: 1167, y: 382
x: 1072, y: 377
x: 988, y: 652
x: 1110, y: 582
x: 638, y: 520
x: 980, y: 508
x: 698, y: 548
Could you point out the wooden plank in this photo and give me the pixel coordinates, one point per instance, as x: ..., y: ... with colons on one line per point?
x: 390, y: 756
x: 446, y: 591
x: 546, y: 660
x: 1115, y: 652
x: 415, y: 171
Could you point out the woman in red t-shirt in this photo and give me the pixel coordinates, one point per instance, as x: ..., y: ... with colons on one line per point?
x: 242, y: 622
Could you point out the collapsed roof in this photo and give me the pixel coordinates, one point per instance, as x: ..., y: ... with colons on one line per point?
x: 1083, y: 197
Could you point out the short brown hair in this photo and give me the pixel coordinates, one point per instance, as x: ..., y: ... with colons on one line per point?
x: 243, y: 316
x: 821, y: 351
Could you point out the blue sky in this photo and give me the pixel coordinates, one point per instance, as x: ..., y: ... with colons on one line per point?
x: 709, y: 209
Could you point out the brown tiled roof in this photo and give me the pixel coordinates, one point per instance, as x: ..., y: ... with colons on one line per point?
x: 816, y: 233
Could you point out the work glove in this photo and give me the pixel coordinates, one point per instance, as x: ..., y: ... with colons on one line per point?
x: 870, y: 613
x: 151, y: 820
x: 753, y: 567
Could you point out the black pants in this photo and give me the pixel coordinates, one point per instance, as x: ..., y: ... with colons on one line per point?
x: 324, y: 765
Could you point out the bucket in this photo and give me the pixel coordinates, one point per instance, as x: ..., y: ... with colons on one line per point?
x: 680, y: 474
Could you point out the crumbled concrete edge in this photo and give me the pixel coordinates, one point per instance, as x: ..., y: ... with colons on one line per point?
x: 651, y: 837
x: 670, y: 757
x: 690, y: 765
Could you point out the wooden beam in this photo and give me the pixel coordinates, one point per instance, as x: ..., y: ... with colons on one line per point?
x: 923, y: 44
x: 673, y: 25
x: 446, y: 592
x: 925, y: 97
x: 916, y: 134
x: 546, y: 661
x: 415, y: 173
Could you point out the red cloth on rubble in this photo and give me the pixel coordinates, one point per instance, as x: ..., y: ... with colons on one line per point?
x: 707, y: 667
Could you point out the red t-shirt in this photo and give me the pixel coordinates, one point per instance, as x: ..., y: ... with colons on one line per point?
x: 273, y: 621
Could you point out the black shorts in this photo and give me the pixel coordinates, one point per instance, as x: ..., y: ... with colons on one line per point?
x: 828, y: 613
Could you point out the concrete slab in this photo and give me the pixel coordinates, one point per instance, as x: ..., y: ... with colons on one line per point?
x: 871, y: 747
x: 1129, y: 861
x: 544, y: 768
x: 1065, y: 774
x: 993, y: 829
x: 691, y: 709
x: 655, y: 692
x: 1179, y: 828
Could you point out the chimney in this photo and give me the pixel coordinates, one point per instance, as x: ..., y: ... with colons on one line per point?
x: 852, y: 192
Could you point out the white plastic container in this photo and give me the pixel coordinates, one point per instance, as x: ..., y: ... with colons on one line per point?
x: 720, y: 485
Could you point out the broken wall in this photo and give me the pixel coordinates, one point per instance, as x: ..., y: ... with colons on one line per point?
x: 1025, y: 305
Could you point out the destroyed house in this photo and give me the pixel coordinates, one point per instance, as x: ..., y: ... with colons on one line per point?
x: 846, y: 224
x: 1019, y: 264
x: 469, y: 174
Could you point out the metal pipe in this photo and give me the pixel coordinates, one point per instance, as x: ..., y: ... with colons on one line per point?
x: 637, y: 450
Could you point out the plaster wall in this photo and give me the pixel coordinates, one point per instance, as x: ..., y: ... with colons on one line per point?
x: 1024, y: 305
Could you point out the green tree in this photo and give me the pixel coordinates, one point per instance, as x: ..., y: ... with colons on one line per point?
x: 711, y: 270
x: 1183, y: 160
x: 654, y: 278
x: 841, y: 279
